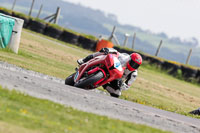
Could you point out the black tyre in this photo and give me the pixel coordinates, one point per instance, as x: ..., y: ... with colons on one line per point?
x: 70, y: 80
x: 36, y: 26
x: 22, y: 16
x: 188, y: 72
x: 86, y: 83
x: 52, y: 32
x: 87, y: 43
x: 69, y: 37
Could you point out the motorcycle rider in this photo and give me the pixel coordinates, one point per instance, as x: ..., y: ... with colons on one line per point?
x: 130, y: 62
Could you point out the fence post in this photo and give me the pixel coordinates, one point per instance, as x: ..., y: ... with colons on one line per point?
x: 112, y: 34
x: 158, y: 50
x: 30, y: 12
x: 189, y: 55
x: 126, y: 39
x: 13, y: 6
x: 133, y: 43
x: 57, y: 15
x: 115, y: 39
x: 39, y: 11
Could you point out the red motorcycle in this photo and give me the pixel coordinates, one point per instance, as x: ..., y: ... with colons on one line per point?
x: 97, y: 72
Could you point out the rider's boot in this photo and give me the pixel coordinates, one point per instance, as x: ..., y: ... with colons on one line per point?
x: 81, y: 61
x: 113, y: 92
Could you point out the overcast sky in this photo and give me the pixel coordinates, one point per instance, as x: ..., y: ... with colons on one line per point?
x: 175, y: 17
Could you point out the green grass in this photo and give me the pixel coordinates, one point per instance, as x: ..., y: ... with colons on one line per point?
x: 23, y: 113
x: 153, y: 87
x: 156, y: 88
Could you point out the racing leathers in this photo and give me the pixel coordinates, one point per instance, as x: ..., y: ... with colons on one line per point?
x: 116, y: 86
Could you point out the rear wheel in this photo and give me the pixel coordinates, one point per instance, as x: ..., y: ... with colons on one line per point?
x: 89, y: 81
x: 70, y: 80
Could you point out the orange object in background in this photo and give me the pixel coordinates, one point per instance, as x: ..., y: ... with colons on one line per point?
x: 104, y: 44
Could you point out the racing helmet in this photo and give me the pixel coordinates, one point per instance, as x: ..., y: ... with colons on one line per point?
x: 135, y: 62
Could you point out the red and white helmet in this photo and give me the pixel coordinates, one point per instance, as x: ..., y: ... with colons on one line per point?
x: 135, y: 62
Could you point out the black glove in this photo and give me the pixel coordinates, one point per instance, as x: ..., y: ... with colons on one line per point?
x: 119, y: 83
x: 104, y: 50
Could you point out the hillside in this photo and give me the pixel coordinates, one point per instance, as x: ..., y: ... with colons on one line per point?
x: 95, y: 22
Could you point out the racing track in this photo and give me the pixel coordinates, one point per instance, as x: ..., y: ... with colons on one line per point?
x: 47, y: 87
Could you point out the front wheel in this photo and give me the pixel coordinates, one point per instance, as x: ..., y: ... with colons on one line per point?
x: 89, y: 81
x: 70, y: 80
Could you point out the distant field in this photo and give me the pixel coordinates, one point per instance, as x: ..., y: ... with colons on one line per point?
x: 152, y: 87
x: 154, y: 41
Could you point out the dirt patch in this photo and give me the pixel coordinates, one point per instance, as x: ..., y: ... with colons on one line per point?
x: 10, y: 128
x: 43, y: 50
x: 169, y: 92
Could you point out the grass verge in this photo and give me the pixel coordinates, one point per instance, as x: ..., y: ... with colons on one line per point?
x: 23, y: 113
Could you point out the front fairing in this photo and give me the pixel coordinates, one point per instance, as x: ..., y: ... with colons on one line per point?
x: 109, y: 64
x: 93, y: 62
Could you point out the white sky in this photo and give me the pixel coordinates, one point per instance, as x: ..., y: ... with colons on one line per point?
x: 175, y: 17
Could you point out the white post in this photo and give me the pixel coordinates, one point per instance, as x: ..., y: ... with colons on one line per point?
x: 112, y: 34
x: 126, y: 39
x: 39, y: 11
x: 30, y: 11
x: 57, y: 15
x: 158, y: 49
x: 189, y: 55
x: 13, y: 6
x: 115, y: 39
x: 133, y: 43
x: 16, y: 35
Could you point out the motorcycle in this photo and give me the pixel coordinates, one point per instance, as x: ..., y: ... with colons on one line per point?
x: 96, y: 72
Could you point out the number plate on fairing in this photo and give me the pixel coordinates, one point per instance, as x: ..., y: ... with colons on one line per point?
x: 117, y: 64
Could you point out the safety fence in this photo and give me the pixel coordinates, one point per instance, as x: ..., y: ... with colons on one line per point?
x: 189, y: 73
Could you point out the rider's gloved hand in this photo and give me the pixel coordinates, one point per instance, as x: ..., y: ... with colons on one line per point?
x: 104, y: 50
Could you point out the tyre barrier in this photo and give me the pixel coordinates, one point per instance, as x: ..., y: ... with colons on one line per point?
x: 121, y: 50
x: 52, y: 32
x: 144, y: 57
x: 171, y: 67
x: 198, y: 76
x: 5, y: 12
x: 153, y: 60
x: 26, y: 19
x: 87, y: 43
x: 69, y: 37
x: 36, y: 26
x: 188, y: 72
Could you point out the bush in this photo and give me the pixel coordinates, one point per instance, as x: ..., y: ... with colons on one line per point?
x: 172, y: 68
x: 188, y: 72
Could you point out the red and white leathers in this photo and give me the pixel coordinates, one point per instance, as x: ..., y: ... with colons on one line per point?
x: 115, y: 87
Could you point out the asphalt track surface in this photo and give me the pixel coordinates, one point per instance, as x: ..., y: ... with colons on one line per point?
x: 52, y: 88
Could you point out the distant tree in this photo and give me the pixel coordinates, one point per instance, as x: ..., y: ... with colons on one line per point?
x: 163, y: 35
